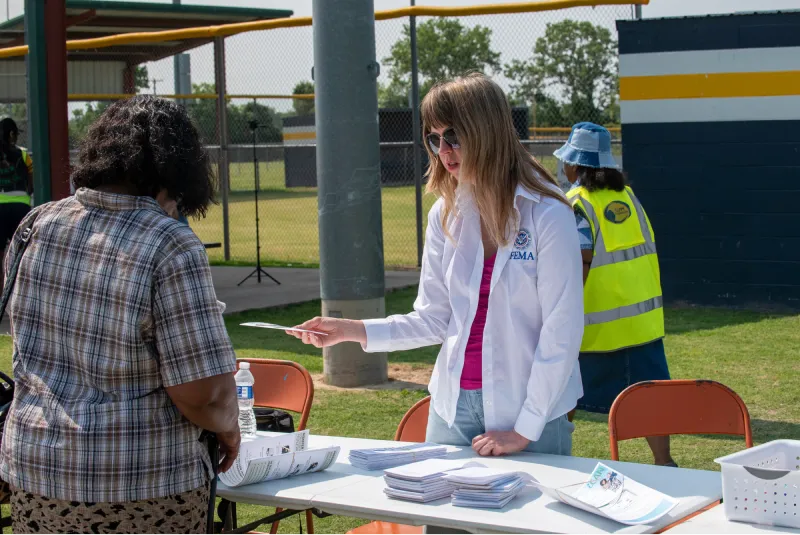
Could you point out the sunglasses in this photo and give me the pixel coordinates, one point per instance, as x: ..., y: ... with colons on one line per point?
x: 435, y: 140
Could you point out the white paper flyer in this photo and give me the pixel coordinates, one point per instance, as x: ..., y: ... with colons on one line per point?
x: 610, y: 494
x: 285, y: 455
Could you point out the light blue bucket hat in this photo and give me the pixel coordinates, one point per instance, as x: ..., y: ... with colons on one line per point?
x: 589, y: 145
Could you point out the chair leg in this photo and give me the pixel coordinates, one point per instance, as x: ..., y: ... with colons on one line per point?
x: 309, y: 521
x: 275, y: 525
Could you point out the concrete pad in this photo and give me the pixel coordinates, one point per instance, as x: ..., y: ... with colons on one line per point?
x: 298, y: 285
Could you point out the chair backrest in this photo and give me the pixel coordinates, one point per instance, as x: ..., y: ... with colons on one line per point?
x: 282, y: 384
x: 678, y: 407
x: 413, y: 425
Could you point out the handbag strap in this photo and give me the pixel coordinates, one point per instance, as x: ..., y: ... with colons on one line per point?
x: 24, y: 238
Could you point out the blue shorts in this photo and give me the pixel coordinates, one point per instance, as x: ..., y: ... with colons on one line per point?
x: 605, y: 375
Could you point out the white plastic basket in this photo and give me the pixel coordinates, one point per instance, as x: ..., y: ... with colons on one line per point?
x: 761, y: 485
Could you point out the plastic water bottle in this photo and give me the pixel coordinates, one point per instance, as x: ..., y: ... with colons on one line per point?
x: 244, y: 390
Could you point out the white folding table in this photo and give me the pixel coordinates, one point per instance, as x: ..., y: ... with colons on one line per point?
x: 714, y: 521
x: 345, y: 490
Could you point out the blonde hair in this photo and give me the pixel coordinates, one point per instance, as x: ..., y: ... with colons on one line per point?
x: 493, y: 161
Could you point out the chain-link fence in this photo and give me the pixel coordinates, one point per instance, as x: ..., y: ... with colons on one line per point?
x: 558, y: 68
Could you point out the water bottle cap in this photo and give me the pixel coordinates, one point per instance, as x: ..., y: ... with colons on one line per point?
x: 244, y: 365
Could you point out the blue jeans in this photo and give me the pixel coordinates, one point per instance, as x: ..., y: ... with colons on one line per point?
x: 556, y: 437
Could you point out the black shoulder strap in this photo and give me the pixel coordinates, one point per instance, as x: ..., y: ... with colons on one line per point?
x: 24, y: 238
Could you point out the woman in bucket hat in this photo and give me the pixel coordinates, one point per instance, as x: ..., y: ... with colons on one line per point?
x: 624, y: 319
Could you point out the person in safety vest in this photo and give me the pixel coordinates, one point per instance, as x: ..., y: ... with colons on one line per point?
x: 624, y: 319
x: 10, y: 133
x: 15, y: 184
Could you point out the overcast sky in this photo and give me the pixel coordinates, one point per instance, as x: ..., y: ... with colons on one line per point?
x: 273, y: 61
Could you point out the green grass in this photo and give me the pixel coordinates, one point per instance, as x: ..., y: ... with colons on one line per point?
x: 289, y: 222
x: 756, y: 354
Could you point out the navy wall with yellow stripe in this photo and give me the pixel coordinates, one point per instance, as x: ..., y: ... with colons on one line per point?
x: 711, y: 144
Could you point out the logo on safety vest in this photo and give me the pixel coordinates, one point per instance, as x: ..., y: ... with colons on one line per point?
x: 617, y: 212
x: 523, y: 239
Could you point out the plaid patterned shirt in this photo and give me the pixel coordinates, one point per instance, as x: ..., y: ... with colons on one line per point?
x: 113, y: 302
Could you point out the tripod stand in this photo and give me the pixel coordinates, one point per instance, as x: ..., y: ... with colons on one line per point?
x: 254, y: 126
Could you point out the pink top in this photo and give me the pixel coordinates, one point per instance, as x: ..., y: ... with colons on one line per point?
x: 471, y: 375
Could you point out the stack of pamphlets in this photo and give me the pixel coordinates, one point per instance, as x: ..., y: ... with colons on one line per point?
x: 478, y: 486
x: 383, y: 458
x: 276, y: 457
x: 610, y: 494
x: 421, y: 482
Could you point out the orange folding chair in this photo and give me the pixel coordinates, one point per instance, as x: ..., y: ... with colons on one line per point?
x: 677, y: 407
x: 284, y: 385
x: 411, y: 429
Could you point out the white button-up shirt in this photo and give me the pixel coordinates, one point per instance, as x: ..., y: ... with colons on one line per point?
x: 534, y: 322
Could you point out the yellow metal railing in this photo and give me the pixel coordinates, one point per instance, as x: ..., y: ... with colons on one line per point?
x: 92, y: 97
x: 225, y: 30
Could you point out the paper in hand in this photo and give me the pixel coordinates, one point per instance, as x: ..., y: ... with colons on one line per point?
x: 280, y: 327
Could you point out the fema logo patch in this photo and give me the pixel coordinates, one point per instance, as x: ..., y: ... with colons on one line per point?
x: 523, y: 239
x: 617, y: 212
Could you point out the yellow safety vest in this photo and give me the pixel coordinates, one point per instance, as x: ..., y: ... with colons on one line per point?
x: 26, y: 157
x: 622, y: 295
x: 21, y: 195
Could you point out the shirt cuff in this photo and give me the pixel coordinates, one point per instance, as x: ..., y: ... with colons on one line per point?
x: 379, y: 336
x: 530, y: 425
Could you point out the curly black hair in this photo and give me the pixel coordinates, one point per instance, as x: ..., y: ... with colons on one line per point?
x: 604, y: 178
x: 147, y: 144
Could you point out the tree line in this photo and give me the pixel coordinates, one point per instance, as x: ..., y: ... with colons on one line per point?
x: 570, y: 76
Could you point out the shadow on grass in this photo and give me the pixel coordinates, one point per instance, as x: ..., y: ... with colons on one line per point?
x: 767, y: 430
x: 763, y: 430
x: 681, y: 319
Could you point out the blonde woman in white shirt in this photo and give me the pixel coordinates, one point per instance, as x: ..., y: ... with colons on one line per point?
x: 501, y: 286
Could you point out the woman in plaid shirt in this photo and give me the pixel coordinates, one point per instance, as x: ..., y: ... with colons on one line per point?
x: 121, y: 356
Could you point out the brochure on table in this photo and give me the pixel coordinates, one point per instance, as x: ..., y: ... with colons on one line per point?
x: 470, y: 484
x: 276, y: 457
x: 612, y: 495
x: 383, y: 458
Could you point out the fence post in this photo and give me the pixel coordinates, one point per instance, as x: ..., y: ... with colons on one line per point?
x: 176, y: 68
x: 222, y: 136
x: 637, y: 11
x: 417, y: 132
x: 352, y: 280
x: 45, y: 34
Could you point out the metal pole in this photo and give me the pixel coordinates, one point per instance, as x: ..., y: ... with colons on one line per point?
x: 176, y: 67
x: 637, y: 12
x: 258, y: 186
x: 417, y: 133
x: 222, y: 135
x: 37, y: 98
x: 348, y: 170
x: 184, y: 80
x: 45, y: 34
